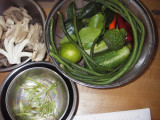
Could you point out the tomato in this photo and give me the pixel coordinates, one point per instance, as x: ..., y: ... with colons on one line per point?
x: 70, y: 52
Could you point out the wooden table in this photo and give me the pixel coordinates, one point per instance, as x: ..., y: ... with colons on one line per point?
x: 144, y: 92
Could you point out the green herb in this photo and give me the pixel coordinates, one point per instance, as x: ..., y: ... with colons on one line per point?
x: 39, y: 100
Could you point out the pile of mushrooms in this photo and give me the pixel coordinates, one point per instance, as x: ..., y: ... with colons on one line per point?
x: 17, y: 34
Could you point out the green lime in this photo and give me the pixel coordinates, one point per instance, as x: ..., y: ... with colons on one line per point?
x: 70, y: 52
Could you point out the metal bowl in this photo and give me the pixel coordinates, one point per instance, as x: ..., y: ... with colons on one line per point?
x: 34, y: 10
x: 11, y: 92
x: 139, y: 10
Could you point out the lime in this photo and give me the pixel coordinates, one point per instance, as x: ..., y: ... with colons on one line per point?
x: 70, y: 52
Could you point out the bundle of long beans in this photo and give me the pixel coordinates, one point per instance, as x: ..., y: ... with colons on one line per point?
x: 88, y: 75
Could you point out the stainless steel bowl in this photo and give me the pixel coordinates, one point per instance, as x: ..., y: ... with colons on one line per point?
x: 12, y: 93
x: 33, y: 9
x: 139, y: 10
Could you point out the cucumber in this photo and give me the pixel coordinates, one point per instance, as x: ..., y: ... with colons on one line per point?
x: 111, y: 59
x: 102, y: 46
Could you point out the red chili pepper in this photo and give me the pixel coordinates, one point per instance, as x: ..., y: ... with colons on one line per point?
x: 124, y: 24
x: 120, y: 22
x: 129, y: 37
x: 113, y: 23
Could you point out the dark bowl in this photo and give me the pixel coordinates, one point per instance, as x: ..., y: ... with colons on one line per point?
x: 11, y: 93
x: 139, y: 10
x: 36, y: 13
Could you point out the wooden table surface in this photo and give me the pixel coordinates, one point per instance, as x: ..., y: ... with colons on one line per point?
x: 144, y: 92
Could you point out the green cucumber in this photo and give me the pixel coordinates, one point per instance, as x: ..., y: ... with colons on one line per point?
x: 102, y: 46
x: 111, y: 59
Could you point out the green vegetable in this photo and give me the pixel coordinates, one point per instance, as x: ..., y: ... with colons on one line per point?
x: 111, y: 59
x: 69, y: 11
x: 86, y: 21
x: 98, y: 39
x: 64, y: 62
x: 65, y: 39
x: 85, y: 55
x: 38, y: 100
x: 99, y: 47
x: 70, y: 27
x: 109, y: 16
x: 89, y: 10
x: 115, y: 38
x: 88, y: 35
x: 96, y: 21
x: 52, y: 47
x: 70, y: 52
x: 89, y: 75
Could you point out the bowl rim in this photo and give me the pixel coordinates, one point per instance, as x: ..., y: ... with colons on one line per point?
x: 28, y: 59
x: 128, y: 80
x: 71, y: 86
x: 30, y: 69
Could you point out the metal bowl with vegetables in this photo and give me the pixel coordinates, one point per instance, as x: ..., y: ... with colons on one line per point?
x: 21, y: 33
x: 37, y: 91
x: 100, y: 43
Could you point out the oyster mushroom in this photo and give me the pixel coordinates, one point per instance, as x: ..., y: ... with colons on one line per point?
x: 1, y: 32
x: 19, y: 35
x: 39, y: 49
x: 3, y: 23
x: 17, y: 38
x: 16, y: 14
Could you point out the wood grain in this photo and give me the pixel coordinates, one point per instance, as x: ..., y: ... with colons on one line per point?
x: 144, y: 92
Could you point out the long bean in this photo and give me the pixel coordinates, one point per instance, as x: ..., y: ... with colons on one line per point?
x: 74, y: 43
x: 130, y: 61
x: 53, y: 47
x: 66, y: 62
x: 69, y: 67
x: 78, y: 37
x: 92, y: 77
x: 141, y: 38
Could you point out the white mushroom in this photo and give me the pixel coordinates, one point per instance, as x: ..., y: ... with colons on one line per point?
x: 9, y: 22
x: 25, y: 13
x: 39, y: 52
x: 21, y: 32
x: 39, y: 49
x: 3, y: 23
x: 16, y: 14
x: 3, y: 62
x: 19, y: 35
x: 1, y: 32
x: 20, y: 46
x: 8, y: 12
x: 16, y: 34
